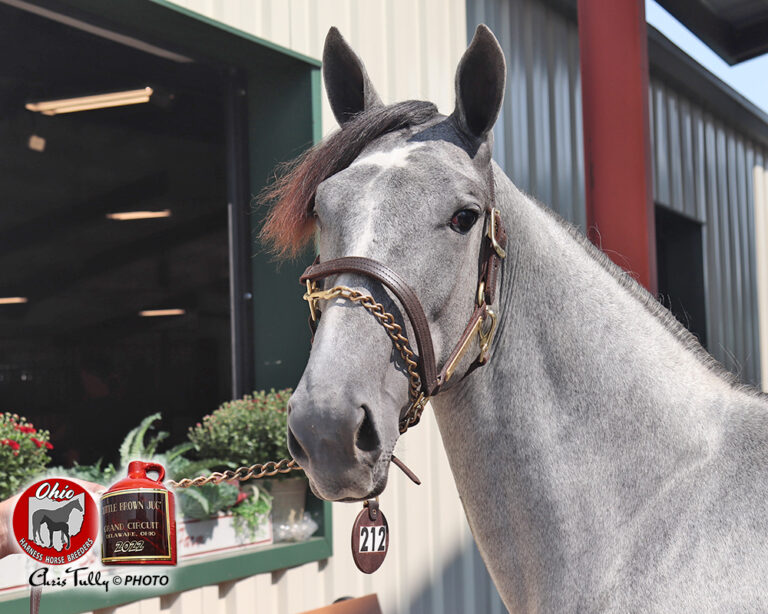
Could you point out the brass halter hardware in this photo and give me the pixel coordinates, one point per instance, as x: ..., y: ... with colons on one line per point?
x: 493, y: 233
x: 482, y: 325
x: 418, y: 399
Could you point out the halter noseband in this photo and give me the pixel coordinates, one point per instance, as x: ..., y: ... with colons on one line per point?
x: 425, y: 381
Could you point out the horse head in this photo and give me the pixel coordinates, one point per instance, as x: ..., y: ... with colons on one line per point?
x: 408, y: 188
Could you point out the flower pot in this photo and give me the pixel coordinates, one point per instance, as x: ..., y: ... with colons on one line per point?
x: 288, y: 498
x: 219, y: 534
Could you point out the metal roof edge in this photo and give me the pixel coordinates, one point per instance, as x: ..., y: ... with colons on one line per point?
x: 172, y: 6
x: 671, y: 64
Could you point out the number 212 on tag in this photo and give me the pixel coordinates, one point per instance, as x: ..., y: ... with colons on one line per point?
x: 373, y: 539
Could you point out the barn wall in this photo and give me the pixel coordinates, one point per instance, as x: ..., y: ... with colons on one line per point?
x: 411, y: 49
x: 702, y: 167
x: 761, y: 239
x: 538, y: 137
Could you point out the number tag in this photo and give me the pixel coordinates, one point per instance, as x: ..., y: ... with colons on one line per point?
x: 370, y: 538
x: 373, y: 539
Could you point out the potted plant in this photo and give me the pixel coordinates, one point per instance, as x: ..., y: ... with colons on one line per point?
x: 207, y: 514
x: 23, y: 452
x: 253, y: 430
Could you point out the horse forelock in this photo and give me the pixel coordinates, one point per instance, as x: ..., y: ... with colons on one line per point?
x: 290, y: 222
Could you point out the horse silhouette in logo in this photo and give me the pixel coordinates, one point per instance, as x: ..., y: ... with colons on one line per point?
x: 55, y: 520
x: 62, y: 527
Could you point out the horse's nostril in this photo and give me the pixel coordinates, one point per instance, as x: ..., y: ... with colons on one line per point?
x: 367, y: 439
x: 296, y: 449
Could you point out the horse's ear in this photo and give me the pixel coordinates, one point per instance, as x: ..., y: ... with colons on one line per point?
x: 480, y: 81
x: 347, y: 84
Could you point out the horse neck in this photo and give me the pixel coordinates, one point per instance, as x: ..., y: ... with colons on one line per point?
x: 588, y: 406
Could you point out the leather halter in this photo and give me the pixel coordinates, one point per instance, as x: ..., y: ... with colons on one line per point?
x: 491, y: 255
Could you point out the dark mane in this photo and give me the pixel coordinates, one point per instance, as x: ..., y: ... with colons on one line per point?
x: 290, y: 224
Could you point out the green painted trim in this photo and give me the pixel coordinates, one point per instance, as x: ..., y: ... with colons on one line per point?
x: 317, y: 107
x: 168, y: 4
x: 159, y: 21
x: 183, y: 577
x: 328, y: 525
x: 162, y: 22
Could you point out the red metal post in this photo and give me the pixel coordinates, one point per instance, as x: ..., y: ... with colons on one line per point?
x: 617, y: 151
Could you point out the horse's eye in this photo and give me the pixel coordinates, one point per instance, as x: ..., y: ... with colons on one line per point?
x: 463, y: 220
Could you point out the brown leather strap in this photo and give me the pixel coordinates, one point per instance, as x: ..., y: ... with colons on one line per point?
x: 478, y: 313
x: 403, y: 292
x: 490, y: 260
x: 490, y: 265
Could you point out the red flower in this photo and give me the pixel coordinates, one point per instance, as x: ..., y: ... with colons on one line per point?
x: 49, y: 445
x: 13, y: 445
x: 37, y: 442
x: 25, y: 429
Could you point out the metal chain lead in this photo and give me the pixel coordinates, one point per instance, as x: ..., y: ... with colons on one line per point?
x: 411, y: 417
x: 395, y: 332
x: 254, y: 472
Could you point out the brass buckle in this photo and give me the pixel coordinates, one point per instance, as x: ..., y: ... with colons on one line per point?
x: 313, y: 295
x: 311, y: 298
x: 492, y: 227
x: 478, y: 327
x: 486, y: 338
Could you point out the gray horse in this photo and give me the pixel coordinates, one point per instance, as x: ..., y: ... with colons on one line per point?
x: 605, y: 461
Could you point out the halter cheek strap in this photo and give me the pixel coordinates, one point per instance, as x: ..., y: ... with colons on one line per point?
x: 425, y: 379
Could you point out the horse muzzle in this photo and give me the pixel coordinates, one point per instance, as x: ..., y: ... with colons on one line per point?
x: 340, y: 450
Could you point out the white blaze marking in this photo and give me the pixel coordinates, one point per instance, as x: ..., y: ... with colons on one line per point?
x: 365, y: 235
x: 394, y: 158
x: 389, y: 159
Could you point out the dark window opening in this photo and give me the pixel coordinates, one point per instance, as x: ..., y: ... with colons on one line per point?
x: 88, y: 355
x: 680, y: 259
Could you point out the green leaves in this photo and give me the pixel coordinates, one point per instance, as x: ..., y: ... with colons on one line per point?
x: 252, y: 513
x: 133, y: 445
x: 23, y: 453
x: 92, y: 473
x: 206, y: 501
x: 245, y: 431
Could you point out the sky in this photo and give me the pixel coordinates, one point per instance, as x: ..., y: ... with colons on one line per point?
x: 749, y: 78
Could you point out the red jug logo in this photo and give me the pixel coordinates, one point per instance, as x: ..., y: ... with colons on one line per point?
x: 55, y: 521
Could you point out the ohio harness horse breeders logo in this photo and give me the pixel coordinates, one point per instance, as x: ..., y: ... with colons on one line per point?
x: 55, y: 521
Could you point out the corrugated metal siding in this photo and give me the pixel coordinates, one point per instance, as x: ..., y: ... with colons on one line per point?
x: 538, y: 137
x: 701, y: 167
x: 411, y: 49
x: 704, y: 170
x: 760, y: 182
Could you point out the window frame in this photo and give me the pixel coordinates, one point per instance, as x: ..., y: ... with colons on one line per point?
x: 253, y: 150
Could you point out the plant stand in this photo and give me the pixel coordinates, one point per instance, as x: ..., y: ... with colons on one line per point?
x: 289, y: 497
x: 219, y: 534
